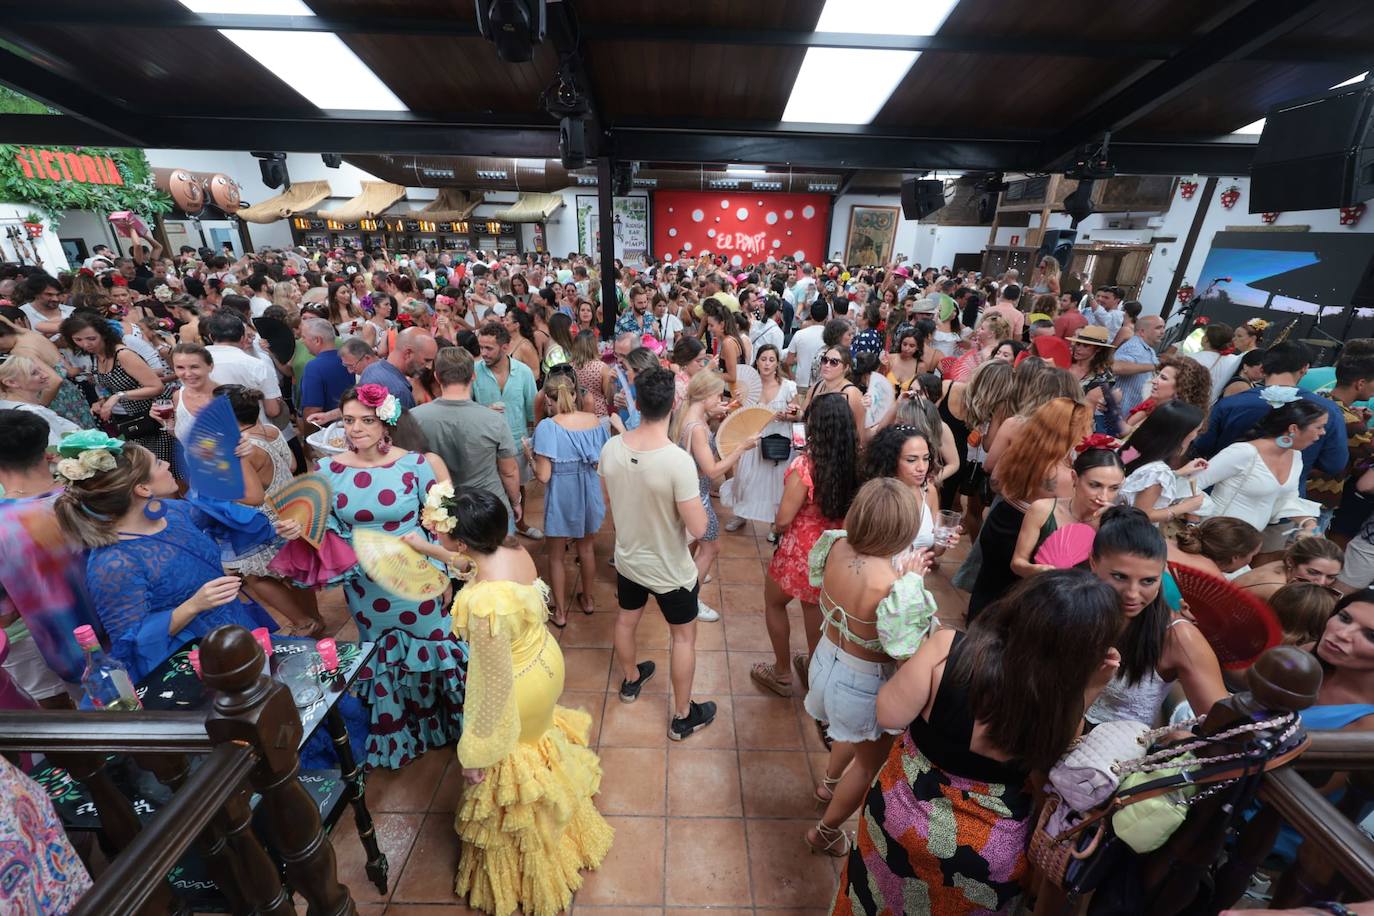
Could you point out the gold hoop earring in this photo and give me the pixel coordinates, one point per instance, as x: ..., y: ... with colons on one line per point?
x: 462, y: 567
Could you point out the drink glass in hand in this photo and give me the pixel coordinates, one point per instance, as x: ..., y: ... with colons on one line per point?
x: 164, y: 409
x: 947, y: 527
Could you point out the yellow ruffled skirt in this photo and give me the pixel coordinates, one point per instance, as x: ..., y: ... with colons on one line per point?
x: 529, y: 827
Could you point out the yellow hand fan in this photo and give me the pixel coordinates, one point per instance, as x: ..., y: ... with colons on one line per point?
x: 396, y: 567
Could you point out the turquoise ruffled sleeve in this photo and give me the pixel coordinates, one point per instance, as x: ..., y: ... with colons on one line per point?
x: 905, y: 617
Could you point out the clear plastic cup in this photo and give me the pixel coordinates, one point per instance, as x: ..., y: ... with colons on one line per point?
x: 947, y: 527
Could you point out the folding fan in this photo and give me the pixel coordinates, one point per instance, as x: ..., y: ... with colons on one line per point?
x: 1237, y: 625
x: 306, y: 500
x: 748, y: 387
x: 395, y: 566
x: 1068, y: 546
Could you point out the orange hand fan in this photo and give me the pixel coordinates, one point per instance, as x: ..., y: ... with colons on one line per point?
x: 1238, y: 626
x: 396, y: 567
x: 307, y: 500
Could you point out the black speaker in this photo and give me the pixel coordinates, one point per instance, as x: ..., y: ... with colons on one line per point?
x: 572, y: 142
x: 1316, y: 152
x: 922, y: 197
x: 1057, y: 243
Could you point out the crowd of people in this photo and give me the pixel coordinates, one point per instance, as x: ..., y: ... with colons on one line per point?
x: 911, y: 412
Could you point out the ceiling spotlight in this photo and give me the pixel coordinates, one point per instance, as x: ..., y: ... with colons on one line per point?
x: 332, y: 160
x: 514, y: 26
x: 273, y: 167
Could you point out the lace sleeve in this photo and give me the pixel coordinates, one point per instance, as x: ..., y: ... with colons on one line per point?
x: 906, y: 617
x: 491, y: 716
x: 138, y: 632
x: 820, y: 552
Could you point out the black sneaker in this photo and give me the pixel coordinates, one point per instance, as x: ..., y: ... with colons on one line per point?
x: 699, y: 715
x: 629, y: 690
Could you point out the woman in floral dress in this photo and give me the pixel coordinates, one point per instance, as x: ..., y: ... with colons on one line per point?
x: 816, y: 494
x: 414, y: 684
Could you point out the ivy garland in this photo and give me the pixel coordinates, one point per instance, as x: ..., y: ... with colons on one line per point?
x: 138, y: 193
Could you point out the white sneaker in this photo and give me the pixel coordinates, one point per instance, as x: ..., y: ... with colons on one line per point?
x: 735, y: 524
x: 533, y: 533
x: 706, y: 613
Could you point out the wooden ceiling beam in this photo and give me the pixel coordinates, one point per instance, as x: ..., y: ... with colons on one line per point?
x: 1238, y: 30
x: 115, y: 17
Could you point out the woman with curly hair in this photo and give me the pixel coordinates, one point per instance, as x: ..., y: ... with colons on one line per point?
x: 1178, y: 377
x: 816, y: 493
x: 1035, y: 466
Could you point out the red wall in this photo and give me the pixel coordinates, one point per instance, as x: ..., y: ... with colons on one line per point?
x: 747, y: 225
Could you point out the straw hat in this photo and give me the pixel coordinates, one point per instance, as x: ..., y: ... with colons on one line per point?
x: 1093, y: 335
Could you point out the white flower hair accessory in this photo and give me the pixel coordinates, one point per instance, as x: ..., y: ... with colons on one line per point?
x: 1278, y: 395
x: 163, y: 293
x: 384, y: 402
x: 86, y: 453
x: 434, y: 515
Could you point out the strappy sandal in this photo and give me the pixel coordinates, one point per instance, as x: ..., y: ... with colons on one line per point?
x: 829, y: 785
x: 802, y: 664
x: 833, y: 841
x: 766, y: 675
x: 553, y: 618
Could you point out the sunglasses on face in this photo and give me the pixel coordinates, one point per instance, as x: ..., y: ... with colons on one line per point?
x: 831, y: 361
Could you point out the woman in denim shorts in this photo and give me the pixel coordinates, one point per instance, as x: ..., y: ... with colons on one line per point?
x: 875, y: 615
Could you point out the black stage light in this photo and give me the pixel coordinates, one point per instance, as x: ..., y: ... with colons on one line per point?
x: 332, y: 160
x: 273, y: 166
x: 514, y: 26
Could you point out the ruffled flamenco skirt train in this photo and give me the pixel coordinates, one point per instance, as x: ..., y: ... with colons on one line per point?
x: 529, y: 828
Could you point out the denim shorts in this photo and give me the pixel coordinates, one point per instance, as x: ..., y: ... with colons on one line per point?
x: 844, y: 692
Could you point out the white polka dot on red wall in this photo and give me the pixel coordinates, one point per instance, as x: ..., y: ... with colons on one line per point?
x: 710, y: 233
x: 787, y: 214
x: 742, y: 214
x: 808, y: 211
x: 725, y: 204
x: 672, y: 233
x: 698, y: 216
x: 687, y: 246
x: 771, y: 218
x: 777, y: 244
x: 799, y: 255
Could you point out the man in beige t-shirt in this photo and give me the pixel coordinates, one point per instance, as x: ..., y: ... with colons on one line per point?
x: 651, y: 488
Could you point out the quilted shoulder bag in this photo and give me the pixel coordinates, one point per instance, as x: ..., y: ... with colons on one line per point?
x: 1089, y: 773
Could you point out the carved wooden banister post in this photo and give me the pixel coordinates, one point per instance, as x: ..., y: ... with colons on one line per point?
x: 118, y: 820
x: 1283, y: 679
x: 241, y: 868
x: 252, y: 708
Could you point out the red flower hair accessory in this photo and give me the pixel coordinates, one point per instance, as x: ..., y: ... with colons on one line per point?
x: 1096, y: 440
x: 119, y: 280
x: 86, y: 272
x: 379, y: 399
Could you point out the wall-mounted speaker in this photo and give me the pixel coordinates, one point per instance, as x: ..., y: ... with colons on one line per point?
x: 922, y: 197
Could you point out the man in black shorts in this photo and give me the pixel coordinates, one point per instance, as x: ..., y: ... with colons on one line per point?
x: 651, y: 488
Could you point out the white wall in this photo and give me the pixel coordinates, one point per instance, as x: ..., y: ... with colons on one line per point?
x: 46, y: 246
x: 906, y: 241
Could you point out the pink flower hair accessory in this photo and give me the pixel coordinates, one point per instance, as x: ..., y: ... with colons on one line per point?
x: 379, y: 399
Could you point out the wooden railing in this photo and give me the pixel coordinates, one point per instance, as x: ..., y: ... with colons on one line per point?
x: 249, y: 740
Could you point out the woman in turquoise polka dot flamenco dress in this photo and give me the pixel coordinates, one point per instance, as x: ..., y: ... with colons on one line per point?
x: 414, y: 684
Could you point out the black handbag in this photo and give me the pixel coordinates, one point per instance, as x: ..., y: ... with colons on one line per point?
x: 775, y: 447
x: 137, y: 427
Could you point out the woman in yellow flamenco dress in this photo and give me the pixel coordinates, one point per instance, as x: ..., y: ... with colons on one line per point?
x: 526, y: 821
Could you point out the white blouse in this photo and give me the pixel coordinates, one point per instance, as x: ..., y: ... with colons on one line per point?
x: 1243, y: 487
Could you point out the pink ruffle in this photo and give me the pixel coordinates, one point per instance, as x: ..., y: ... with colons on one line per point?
x: 303, y: 564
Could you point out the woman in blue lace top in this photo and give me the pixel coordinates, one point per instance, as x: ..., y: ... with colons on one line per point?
x: 154, y: 576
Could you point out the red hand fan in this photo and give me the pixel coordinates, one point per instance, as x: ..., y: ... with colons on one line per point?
x: 1066, y: 547
x: 1237, y: 625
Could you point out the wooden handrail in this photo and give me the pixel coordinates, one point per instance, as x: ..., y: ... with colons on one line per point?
x: 1350, y: 852
x: 140, y: 732
x: 1338, y: 750
x: 142, y: 868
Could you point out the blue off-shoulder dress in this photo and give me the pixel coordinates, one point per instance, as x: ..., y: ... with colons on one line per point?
x: 137, y: 582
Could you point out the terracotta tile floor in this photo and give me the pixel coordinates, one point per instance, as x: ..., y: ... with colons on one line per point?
x: 712, y: 824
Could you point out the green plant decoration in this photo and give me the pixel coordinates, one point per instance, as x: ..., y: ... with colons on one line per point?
x: 138, y: 192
